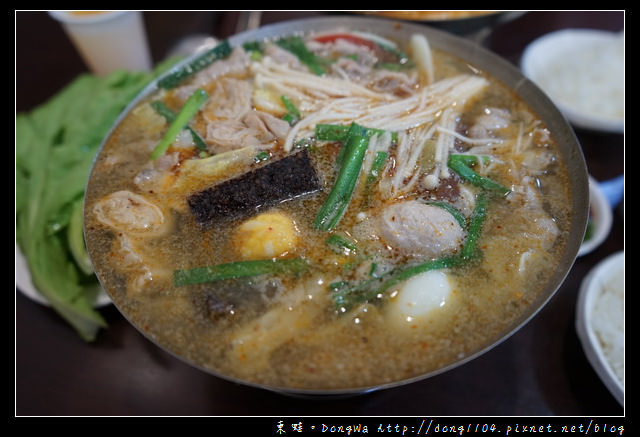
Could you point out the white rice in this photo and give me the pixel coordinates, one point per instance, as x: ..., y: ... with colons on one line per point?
x: 607, y: 321
x: 589, y: 79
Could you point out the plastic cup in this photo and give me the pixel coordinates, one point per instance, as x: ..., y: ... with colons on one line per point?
x: 108, y: 40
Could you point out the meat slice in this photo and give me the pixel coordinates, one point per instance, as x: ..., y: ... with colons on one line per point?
x: 231, y: 98
x: 232, y: 134
x: 237, y: 63
x: 491, y: 120
x: 256, y: 129
x: 267, y: 126
x: 277, y: 182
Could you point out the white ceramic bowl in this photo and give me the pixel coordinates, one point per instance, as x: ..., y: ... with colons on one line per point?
x: 600, y: 216
x: 605, y: 273
x: 582, y: 71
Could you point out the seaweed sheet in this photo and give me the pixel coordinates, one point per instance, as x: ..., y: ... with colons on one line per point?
x: 277, y: 182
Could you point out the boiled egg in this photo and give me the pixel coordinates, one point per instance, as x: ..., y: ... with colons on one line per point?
x: 419, y: 299
x: 267, y: 235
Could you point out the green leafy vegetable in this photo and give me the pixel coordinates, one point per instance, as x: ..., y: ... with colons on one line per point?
x: 331, y: 132
x: 471, y: 160
x: 393, y: 66
x: 458, y: 163
x: 75, y: 239
x: 296, y: 45
x: 338, y: 132
x: 55, y: 147
x: 170, y: 116
x: 262, y: 156
x: 341, y: 244
x: 405, y: 273
x: 589, y: 231
x: 376, y: 166
x: 336, y: 203
x: 255, y: 46
x: 476, y: 222
x: 239, y: 269
x: 202, y: 61
x: 255, y: 50
x: 292, y: 115
x: 190, y: 108
x: 305, y: 143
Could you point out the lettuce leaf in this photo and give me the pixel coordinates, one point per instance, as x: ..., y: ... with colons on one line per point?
x: 55, y: 147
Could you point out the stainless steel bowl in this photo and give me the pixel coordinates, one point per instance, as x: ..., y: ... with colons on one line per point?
x: 499, y: 69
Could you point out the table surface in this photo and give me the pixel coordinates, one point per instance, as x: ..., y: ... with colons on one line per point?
x: 541, y: 370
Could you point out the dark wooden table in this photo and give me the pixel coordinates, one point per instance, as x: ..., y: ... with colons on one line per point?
x: 539, y: 371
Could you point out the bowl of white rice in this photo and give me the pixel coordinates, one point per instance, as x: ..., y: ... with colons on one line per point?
x: 600, y: 322
x: 582, y: 71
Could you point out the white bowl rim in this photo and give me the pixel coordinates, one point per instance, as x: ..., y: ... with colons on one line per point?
x: 26, y: 287
x: 602, y: 218
x: 587, y: 336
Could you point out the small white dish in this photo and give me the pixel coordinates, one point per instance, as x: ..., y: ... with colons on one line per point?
x: 26, y: 287
x: 600, y: 218
x: 606, y: 273
x: 582, y: 71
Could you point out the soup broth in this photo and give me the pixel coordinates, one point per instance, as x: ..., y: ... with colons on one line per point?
x: 458, y: 212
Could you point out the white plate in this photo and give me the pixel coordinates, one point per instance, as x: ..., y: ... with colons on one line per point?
x: 582, y: 71
x: 600, y: 216
x: 24, y: 284
x: 609, y: 268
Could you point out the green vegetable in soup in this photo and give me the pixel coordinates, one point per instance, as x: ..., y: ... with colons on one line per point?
x: 351, y: 163
x: 458, y: 163
x: 470, y: 248
x: 292, y: 115
x: 341, y: 244
x: 331, y: 132
x: 377, y: 165
x: 262, y: 156
x: 339, y: 132
x: 190, y: 108
x: 170, y: 116
x: 208, y: 57
x: 255, y: 50
x: 296, y: 45
x: 471, y: 160
x: 238, y: 269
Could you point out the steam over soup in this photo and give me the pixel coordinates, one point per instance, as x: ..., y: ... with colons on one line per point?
x: 330, y: 211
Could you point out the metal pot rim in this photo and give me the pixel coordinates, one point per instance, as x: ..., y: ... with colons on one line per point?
x: 487, y: 62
